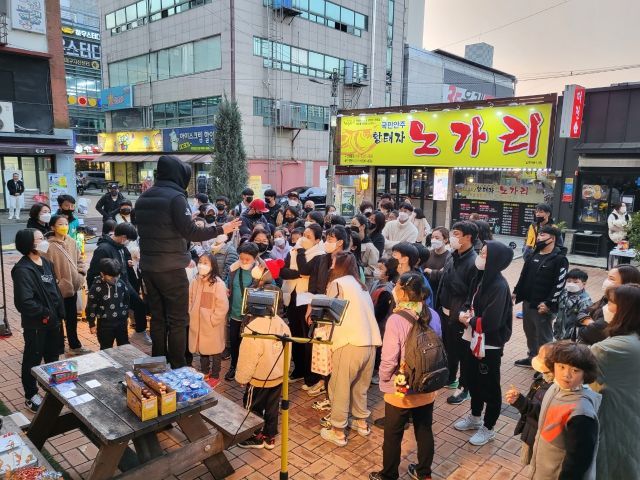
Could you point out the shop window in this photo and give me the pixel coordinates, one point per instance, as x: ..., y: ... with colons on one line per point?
x: 393, y: 181
x: 594, y: 203
x: 29, y: 176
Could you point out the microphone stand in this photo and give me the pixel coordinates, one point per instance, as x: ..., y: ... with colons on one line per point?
x: 5, y: 328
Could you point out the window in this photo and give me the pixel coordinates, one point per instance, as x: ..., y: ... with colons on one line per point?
x: 329, y: 14
x: 316, y: 60
x: 315, y: 116
x: 200, y: 111
x: 333, y: 11
x: 110, y: 21
x: 207, y: 54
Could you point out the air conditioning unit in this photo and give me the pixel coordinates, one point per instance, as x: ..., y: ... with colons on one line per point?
x: 6, y: 118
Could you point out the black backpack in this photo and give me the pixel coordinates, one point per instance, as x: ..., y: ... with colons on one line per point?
x: 425, y: 358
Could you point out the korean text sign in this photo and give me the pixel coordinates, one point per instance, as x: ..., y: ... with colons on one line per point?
x: 505, y: 137
x: 116, y: 98
x: 189, y: 139
x: 130, y: 142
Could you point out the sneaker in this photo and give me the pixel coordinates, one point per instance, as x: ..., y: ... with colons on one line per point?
x: 482, y: 436
x: 17, y: 218
x: 413, y: 473
x: 454, y: 385
x: 256, y: 441
x: 322, y: 405
x: 269, y: 442
x: 375, y: 380
x: 317, y: 389
x: 306, y: 387
x: 375, y: 476
x: 143, y: 337
x: 330, y: 435
x: 213, y: 382
x: 82, y: 350
x: 524, y: 363
x: 10, y: 218
x: 519, y: 315
x: 231, y: 374
x: 468, y: 423
x: 325, y: 421
x: 34, y: 403
x: 362, y: 431
x: 460, y: 396
x: 226, y: 354
x: 293, y: 379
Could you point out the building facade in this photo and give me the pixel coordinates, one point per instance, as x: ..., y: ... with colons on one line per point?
x: 35, y: 139
x: 276, y: 57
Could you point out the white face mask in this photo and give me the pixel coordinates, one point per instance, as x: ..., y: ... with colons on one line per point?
x: 455, y: 243
x: 403, y: 216
x: 247, y: 266
x: 377, y: 274
x: 368, y: 210
x: 332, y: 213
x: 305, y: 243
x: 203, y: 269
x: 623, y: 210
x: 43, y: 246
x: 436, y: 244
x: 256, y: 272
x: 293, y: 203
x: 608, y: 314
x: 306, y: 224
x: 480, y: 262
x: 279, y: 241
x: 45, y: 217
x: 330, y: 247
x: 572, y: 287
x: 607, y: 283
x: 221, y: 239
x: 126, y: 242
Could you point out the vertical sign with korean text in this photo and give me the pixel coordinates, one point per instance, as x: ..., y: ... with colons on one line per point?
x: 29, y: 15
x: 255, y: 184
x: 440, y: 183
x: 572, y: 111
x: 567, y: 193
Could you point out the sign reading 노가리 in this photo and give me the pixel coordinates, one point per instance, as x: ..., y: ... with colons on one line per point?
x: 189, y: 139
x: 504, y: 137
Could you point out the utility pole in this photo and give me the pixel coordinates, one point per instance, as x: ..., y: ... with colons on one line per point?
x: 331, y: 168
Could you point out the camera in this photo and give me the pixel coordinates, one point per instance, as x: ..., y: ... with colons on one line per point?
x: 258, y: 302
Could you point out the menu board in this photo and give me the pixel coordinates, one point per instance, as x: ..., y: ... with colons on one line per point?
x: 504, y: 218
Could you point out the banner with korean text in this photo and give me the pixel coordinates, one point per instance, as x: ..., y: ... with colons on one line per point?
x: 504, y: 137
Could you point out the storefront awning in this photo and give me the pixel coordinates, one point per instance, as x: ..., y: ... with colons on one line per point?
x: 608, y: 162
x: 186, y: 158
x: 35, y: 148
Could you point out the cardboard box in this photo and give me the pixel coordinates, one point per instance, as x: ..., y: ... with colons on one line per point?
x: 135, y: 385
x: 167, y: 400
x: 145, y: 409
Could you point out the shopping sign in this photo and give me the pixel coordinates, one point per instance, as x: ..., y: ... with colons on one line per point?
x: 505, y: 137
x: 130, y: 142
x: 572, y: 111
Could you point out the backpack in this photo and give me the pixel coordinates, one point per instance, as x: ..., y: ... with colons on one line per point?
x: 425, y: 358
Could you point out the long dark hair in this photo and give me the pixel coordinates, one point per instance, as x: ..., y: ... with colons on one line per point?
x: 214, y: 273
x: 417, y: 290
x: 377, y: 222
x: 346, y: 264
x: 628, y: 274
x: 484, y: 230
x: 626, y: 319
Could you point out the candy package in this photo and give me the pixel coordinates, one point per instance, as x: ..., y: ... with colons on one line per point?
x: 188, y: 384
x: 33, y: 473
x: 62, y: 372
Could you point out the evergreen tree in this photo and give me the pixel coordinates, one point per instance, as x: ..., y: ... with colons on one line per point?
x: 229, y: 168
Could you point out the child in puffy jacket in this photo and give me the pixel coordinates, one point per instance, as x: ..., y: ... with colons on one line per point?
x: 208, y: 309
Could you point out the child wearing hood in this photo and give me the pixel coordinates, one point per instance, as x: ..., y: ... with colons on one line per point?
x: 529, y: 406
x: 567, y: 438
x: 487, y: 311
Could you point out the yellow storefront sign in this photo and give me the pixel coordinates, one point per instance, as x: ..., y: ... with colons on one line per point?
x: 505, y: 137
x: 130, y: 142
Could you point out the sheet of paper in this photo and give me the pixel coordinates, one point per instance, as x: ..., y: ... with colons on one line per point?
x: 93, y: 383
x: 65, y: 387
x: 304, y: 298
x: 79, y: 400
x: 69, y: 394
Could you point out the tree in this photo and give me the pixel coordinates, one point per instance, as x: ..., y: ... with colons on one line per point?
x: 229, y: 168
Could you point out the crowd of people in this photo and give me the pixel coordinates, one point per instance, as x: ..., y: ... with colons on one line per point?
x: 188, y: 265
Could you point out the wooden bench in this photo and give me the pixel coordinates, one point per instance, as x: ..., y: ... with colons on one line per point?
x: 234, y: 422
x: 136, y: 188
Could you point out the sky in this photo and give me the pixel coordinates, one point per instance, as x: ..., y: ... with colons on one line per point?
x: 576, y: 35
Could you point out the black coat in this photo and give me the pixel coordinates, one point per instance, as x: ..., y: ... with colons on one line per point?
x: 202, y: 185
x: 594, y: 332
x: 378, y: 241
x: 108, y: 248
x: 457, y: 276
x: 15, y: 187
x: 246, y: 228
x: 107, y: 207
x: 529, y: 407
x: 107, y: 304
x: 164, y: 220
x: 31, y: 297
x: 318, y: 269
x: 31, y: 223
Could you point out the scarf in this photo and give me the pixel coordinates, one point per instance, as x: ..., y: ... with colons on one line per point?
x: 414, y: 307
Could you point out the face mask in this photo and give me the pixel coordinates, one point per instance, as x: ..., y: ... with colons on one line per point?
x: 572, y: 287
x: 330, y: 247
x: 327, y: 225
x: 403, y: 216
x: 279, y: 241
x: 125, y: 211
x: 607, y: 283
x: 480, y: 262
x: 220, y: 206
x: 262, y: 247
x: 305, y: 243
x: 221, y: 239
x: 608, y: 314
x: 455, y: 243
x: 256, y: 272
x: 290, y: 219
x: 203, y: 269
x: 436, y: 244
x: 66, y: 212
x: 111, y: 281
x: 43, y: 246
x: 306, y: 224
x: 376, y: 273
x: 623, y: 210
x: 293, y: 203
x: 255, y: 216
x: 308, y: 209
x: 539, y: 219
x: 114, y: 194
x: 62, y: 230
x: 368, y: 210
x: 248, y: 199
x: 332, y: 213
x: 209, y: 218
x: 45, y: 217
x: 540, y: 244
x: 248, y: 266
x: 267, y: 200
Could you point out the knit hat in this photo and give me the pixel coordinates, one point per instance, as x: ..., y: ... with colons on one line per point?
x: 274, y: 267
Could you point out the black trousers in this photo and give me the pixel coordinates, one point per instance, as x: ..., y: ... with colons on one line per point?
x: 456, y: 349
x: 107, y: 335
x: 395, y: 420
x: 39, y: 343
x: 168, y: 299
x: 140, y: 310
x: 483, y: 377
x: 70, y: 324
x: 297, y: 325
x: 211, y: 364
x: 235, y: 340
x: 264, y: 402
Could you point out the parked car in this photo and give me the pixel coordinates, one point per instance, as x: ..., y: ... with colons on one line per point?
x: 91, y: 179
x: 317, y: 194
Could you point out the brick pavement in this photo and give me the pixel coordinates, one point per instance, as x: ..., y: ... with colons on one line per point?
x: 309, y: 456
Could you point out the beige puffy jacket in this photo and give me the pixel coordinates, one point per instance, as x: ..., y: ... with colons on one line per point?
x: 70, y: 269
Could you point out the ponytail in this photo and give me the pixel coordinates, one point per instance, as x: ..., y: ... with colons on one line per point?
x: 418, y: 291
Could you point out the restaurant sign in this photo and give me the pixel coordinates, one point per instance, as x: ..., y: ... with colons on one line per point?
x: 499, y: 137
x: 130, y: 142
x: 189, y: 139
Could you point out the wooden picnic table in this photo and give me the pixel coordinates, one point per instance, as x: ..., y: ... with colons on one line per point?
x: 109, y: 423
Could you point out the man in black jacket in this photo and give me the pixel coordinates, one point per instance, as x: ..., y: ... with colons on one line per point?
x: 254, y: 214
x: 16, y: 189
x: 202, y: 184
x: 109, y: 204
x: 489, y: 309
x: 166, y: 227
x: 274, y: 208
x: 539, y: 288
x: 453, y: 291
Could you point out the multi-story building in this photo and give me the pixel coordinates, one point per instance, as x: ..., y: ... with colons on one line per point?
x: 35, y: 139
x: 82, y: 59
x: 167, y: 64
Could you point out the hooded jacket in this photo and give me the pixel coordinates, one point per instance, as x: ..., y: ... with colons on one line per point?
x: 108, y: 207
x: 208, y: 309
x: 226, y: 256
x: 164, y: 221
x: 249, y: 221
x: 550, y: 279
x: 395, y: 232
x: 70, y: 268
x: 30, y: 295
x: 617, y: 224
x: 457, y: 275
x: 107, y: 304
x: 571, y: 306
x: 490, y: 296
x: 594, y: 332
x: 529, y: 408
x: 107, y: 248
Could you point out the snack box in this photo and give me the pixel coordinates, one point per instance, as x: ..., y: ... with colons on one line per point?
x: 145, y: 409
x: 62, y: 372
x: 166, y: 394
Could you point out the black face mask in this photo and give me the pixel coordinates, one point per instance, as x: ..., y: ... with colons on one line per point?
x: 290, y: 219
x: 255, y: 216
x: 67, y: 212
x: 308, y: 209
x: 210, y: 218
x: 539, y: 220
x: 327, y: 225
x: 125, y: 211
x: 114, y: 194
x: 267, y: 200
x: 220, y: 207
x: 262, y: 247
x: 540, y: 244
x: 248, y: 199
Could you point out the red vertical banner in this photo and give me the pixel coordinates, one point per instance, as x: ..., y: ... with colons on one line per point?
x: 577, y: 113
